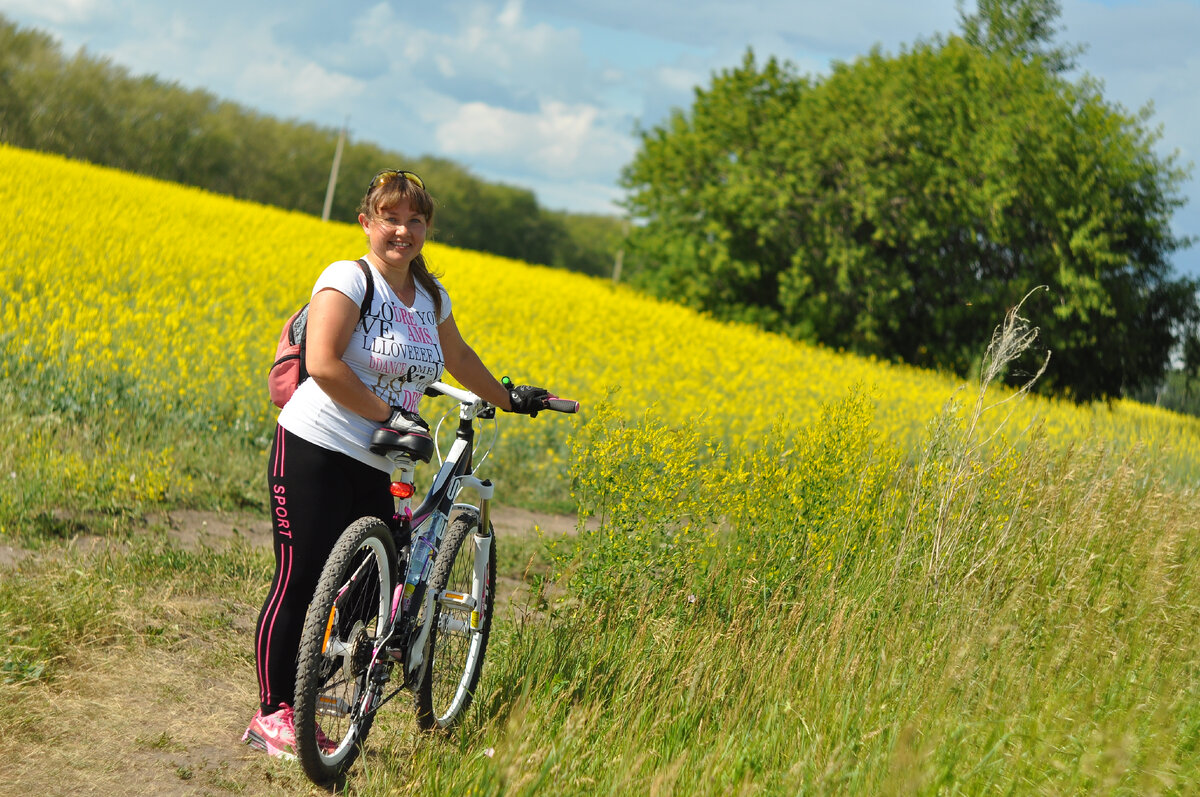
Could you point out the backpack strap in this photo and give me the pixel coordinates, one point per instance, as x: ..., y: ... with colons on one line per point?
x: 300, y: 324
x: 369, y: 296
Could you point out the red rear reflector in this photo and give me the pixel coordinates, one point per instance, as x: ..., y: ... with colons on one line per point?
x: 402, y: 490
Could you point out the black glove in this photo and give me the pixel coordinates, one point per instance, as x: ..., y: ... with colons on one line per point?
x: 526, y: 399
x: 405, y: 422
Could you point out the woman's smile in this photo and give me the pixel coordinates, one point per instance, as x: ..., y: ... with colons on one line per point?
x: 397, y: 233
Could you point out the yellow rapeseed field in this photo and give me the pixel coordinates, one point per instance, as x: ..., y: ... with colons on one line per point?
x: 181, y: 294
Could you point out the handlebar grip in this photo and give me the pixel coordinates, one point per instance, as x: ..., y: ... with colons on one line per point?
x: 562, y: 405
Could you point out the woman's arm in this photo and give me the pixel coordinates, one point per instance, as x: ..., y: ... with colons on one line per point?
x: 332, y: 317
x: 464, y: 364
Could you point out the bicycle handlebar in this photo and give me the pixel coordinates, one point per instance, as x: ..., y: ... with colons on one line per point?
x: 441, y: 388
x: 467, y: 397
x: 562, y: 405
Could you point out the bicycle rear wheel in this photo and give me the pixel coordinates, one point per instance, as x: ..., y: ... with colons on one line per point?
x: 461, y: 628
x: 336, y: 694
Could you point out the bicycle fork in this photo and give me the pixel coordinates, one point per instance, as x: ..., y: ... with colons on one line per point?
x: 416, y: 649
x: 479, y: 573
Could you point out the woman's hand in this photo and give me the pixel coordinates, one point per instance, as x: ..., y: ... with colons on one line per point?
x: 526, y: 399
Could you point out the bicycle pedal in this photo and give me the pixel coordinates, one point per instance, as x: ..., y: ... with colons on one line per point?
x: 332, y: 706
x: 458, y: 599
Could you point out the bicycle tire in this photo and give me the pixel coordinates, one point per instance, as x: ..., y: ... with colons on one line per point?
x: 334, y: 662
x: 456, y: 648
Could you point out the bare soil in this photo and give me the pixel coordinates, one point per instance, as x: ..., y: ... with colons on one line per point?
x: 169, y: 721
x: 193, y: 530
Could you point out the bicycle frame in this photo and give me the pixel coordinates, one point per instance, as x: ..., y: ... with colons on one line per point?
x: 426, y: 525
x: 384, y: 619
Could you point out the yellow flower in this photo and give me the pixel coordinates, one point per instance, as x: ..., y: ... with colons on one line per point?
x: 190, y: 291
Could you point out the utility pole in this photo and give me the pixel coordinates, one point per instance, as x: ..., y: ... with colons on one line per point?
x: 333, y: 172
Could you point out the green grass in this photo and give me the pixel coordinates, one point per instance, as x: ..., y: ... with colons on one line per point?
x: 1057, y: 654
x: 821, y: 615
x: 94, y: 464
x: 1065, y: 663
x: 58, y: 607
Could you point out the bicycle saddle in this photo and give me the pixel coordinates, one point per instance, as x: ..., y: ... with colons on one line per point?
x: 413, y: 441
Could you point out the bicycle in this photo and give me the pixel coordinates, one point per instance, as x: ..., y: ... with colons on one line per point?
x: 413, y: 592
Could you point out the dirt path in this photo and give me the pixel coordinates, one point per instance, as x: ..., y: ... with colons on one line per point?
x: 193, y: 529
x: 168, y: 721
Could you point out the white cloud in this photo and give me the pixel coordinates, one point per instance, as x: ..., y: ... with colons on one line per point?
x: 377, y: 26
x: 485, y: 45
x: 680, y: 79
x: 56, y: 11
x: 479, y: 129
x: 303, y: 86
x: 558, y: 140
x: 445, y: 65
x: 840, y: 29
x: 510, y: 16
x: 236, y: 57
x: 579, y: 196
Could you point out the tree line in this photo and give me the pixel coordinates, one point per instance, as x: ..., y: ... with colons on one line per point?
x: 900, y: 205
x: 88, y: 108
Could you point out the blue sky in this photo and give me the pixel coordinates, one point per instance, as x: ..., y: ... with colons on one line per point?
x: 547, y: 94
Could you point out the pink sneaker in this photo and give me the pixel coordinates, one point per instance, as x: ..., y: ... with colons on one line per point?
x: 326, y: 744
x: 274, y: 733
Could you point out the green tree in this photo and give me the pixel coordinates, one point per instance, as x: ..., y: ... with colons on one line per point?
x: 1021, y: 29
x: 720, y: 206
x: 89, y: 108
x: 590, y: 243
x: 1178, y: 392
x: 899, y: 206
x: 22, y: 53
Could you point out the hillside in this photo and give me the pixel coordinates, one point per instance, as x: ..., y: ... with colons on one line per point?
x: 784, y: 570
x: 193, y: 286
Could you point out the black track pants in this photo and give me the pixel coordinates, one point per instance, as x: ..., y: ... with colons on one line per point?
x: 315, y: 494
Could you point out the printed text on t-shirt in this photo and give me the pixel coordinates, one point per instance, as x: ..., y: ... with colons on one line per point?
x: 404, y: 351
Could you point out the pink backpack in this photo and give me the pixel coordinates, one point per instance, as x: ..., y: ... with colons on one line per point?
x: 288, y: 370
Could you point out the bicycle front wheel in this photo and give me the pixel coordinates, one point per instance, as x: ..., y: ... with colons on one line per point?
x: 459, y: 636
x: 337, y: 679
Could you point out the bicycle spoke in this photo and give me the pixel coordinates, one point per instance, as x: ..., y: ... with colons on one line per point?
x: 462, y: 625
x: 338, y: 677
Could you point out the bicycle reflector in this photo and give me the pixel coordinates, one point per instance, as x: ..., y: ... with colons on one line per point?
x: 402, y: 490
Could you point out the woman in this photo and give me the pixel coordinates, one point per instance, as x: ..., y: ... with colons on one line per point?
x: 364, y: 374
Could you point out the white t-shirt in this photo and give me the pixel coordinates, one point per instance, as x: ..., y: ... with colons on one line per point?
x: 395, y: 351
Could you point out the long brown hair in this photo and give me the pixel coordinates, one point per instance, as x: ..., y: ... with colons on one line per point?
x: 387, y: 190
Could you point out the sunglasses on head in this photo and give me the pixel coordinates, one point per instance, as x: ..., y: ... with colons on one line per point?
x: 389, y: 174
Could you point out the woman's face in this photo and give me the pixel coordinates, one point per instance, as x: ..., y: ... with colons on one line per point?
x: 396, y: 232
